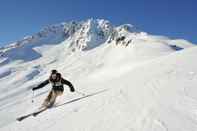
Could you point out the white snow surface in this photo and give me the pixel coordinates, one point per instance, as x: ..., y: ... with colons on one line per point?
x: 135, y: 81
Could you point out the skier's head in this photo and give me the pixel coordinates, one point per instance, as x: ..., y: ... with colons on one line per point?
x: 59, y: 76
x: 54, y: 71
x: 54, y: 74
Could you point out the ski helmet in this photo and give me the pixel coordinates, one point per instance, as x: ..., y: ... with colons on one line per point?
x: 53, y: 71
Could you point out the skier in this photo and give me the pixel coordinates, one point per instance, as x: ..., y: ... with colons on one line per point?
x: 57, y: 87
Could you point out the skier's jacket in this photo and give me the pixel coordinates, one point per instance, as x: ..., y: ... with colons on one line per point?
x: 56, y: 84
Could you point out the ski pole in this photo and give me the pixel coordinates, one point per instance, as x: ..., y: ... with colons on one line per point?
x: 32, y: 97
x: 78, y: 92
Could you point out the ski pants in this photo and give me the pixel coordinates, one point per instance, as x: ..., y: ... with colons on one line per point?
x: 50, y: 99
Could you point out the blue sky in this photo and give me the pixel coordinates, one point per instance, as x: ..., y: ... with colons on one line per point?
x: 174, y: 18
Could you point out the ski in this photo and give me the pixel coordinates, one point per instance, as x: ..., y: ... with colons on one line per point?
x: 24, y: 117
x: 31, y: 114
x: 38, y: 112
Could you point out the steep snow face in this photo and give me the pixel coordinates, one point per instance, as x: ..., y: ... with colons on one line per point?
x: 135, y: 81
x: 91, y: 34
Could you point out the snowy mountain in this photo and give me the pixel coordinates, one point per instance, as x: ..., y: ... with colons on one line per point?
x: 134, y: 81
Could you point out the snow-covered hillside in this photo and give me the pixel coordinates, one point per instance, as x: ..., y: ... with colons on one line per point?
x: 134, y: 81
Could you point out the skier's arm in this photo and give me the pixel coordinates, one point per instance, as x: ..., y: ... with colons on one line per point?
x: 41, y: 85
x: 68, y: 83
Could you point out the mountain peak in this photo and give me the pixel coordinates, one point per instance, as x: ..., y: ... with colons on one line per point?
x: 80, y: 35
x: 99, y: 29
x: 127, y: 27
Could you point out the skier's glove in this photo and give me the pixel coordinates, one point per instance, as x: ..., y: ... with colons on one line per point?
x: 72, y: 89
x: 33, y: 89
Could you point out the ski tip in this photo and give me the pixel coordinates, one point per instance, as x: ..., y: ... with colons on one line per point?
x: 19, y: 119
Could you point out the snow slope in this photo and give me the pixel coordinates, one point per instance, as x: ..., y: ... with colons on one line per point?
x: 135, y: 81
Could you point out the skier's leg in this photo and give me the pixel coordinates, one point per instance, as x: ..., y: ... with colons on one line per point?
x: 53, y: 98
x: 55, y: 94
x: 59, y: 93
x: 47, y: 100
